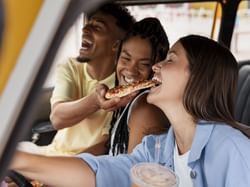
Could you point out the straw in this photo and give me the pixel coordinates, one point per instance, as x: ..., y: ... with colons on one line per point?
x: 157, y: 149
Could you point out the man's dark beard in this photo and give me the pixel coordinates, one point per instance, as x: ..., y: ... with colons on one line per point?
x: 83, y: 59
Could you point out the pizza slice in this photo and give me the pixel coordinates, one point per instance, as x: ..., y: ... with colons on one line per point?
x: 123, y: 90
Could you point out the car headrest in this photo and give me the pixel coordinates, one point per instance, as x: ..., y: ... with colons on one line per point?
x: 242, y: 102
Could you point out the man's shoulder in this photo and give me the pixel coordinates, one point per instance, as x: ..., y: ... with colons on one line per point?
x: 73, y: 62
x: 71, y: 65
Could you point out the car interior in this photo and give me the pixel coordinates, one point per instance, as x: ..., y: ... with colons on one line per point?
x: 35, y: 108
x: 242, y: 103
x: 42, y: 130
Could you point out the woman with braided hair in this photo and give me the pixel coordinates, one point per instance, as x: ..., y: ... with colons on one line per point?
x: 144, y: 45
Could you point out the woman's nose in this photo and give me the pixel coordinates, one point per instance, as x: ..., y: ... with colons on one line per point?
x: 156, y: 67
x: 132, y: 68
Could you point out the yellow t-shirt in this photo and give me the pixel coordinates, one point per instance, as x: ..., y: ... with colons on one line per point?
x: 73, y: 82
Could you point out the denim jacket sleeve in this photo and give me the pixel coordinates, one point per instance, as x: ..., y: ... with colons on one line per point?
x: 114, y: 171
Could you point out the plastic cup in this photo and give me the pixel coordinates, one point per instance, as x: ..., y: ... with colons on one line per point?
x: 152, y: 175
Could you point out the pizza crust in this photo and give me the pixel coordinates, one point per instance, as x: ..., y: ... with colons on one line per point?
x: 123, y: 90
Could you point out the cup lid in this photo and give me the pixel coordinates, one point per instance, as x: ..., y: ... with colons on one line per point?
x: 153, y: 175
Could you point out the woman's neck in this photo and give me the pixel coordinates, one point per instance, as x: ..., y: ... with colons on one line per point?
x: 184, y: 134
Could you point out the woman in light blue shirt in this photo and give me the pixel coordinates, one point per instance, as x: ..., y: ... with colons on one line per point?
x: 197, y: 83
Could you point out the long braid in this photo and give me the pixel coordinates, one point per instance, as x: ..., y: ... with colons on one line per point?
x: 115, y: 117
x: 120, y: 142
x: 121, y: 136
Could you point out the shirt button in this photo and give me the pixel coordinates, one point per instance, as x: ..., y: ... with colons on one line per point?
x: 193, y: 174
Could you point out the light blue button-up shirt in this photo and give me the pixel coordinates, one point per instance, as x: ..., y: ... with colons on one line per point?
x: 219, y: 157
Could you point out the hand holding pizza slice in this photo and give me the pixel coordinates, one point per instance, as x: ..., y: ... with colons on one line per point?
x: 111, y: 104
x: 123, y: 90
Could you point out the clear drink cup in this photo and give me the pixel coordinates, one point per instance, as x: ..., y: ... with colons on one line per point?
x: 152, y: 175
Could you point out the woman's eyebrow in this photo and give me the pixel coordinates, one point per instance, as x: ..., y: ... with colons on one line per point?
x: 126, y: 52
x: 172, y: 52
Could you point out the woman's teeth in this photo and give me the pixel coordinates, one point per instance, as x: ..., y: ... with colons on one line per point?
x: 129, y: 80
x: 157, y: 80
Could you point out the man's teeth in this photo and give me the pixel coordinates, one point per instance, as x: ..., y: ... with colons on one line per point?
x: 85, y: 40
x: 84, y: 48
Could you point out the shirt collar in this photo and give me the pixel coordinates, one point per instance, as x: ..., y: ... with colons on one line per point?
x: 88, y: 77
x: 203, y: 132
x: 110, y: 78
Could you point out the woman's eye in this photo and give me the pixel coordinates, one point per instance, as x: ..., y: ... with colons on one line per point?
x: 145, y: 64
x: 169, y: 60
x: 125, y: 59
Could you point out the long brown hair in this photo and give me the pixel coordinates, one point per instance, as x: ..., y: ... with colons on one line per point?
x: 211, y: 89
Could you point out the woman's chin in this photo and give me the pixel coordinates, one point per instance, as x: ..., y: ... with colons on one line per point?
x: 151, y: 97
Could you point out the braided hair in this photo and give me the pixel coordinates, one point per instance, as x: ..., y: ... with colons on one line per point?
x: 151, y: 29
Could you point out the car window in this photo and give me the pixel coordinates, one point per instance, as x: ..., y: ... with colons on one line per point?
x: 182, y: 18
x: 178, y: 19
x: 241, y: 34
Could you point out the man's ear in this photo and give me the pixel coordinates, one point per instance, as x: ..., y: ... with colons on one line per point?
x: 116, y: 45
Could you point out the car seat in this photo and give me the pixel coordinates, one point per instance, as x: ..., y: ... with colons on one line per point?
x: 242, y: 102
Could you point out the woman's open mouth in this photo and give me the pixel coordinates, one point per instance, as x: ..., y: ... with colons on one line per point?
x: 157, y: 81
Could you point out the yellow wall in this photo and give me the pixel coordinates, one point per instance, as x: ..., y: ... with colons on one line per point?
x: 19, y: 18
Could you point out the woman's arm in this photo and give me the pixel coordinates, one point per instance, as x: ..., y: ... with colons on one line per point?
x: 54, y: 171
x: 145, y: 119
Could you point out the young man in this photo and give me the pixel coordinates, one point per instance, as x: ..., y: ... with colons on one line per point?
x: 82, y: 125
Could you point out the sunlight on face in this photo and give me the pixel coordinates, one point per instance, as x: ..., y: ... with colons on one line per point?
x: 173, y: 73
x: 134, y: 63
